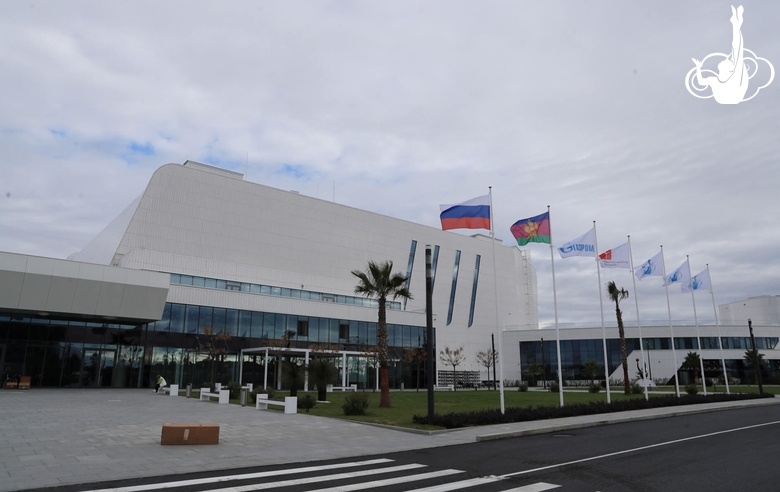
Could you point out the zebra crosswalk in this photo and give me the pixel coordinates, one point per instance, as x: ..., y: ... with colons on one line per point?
x: 376, y: 474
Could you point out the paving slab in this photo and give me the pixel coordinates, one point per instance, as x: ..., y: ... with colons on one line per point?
x: 54, y: 437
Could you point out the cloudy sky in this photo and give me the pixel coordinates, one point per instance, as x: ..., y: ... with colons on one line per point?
x: 401, y: 106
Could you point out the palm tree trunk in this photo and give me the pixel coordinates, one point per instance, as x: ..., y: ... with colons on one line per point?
x: 384, y: 385
x: 381, y: 339
x: 623, y: 354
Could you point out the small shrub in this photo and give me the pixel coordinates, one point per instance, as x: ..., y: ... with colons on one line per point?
x: 522, y: 387
x: 235, y: 390
x: 307, y: 402
x: 355, y: 404
x: 636, y: 389
x: 594, y: 388
x: 691, y: 389
x: 210, y: 385
x: 554, y: 388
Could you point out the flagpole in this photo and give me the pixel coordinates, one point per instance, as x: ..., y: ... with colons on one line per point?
x: 698, y: 335
x: 638, y: 323
x: 671, y: 328
x: 495, y: 286
x: 555, y: 307
x: 720, y: 341
x: 601, y: 302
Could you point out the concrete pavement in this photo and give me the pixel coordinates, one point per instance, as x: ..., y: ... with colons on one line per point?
x: 51, y: 437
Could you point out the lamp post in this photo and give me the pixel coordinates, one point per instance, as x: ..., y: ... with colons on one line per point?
x: 429, y: 328
x: 544, y: 367
x: 756, y: 366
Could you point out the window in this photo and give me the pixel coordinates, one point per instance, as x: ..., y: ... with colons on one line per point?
x: 198, y: 282
x: 175, y: 278
x: 474, y: 291
x: 343, y: 330
x: 409, y: 266
x: 454, y: 286
x: 232, y: 286
x: 434, y: 263
x: 211, y: 283
x: 303, y: 327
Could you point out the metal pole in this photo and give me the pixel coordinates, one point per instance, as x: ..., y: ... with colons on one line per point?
x: 638, y: 321
x: 671, y: 328
x: 720, y: 340
x: 555, y: 308
x: 493, y: 355
x: 756, y: 366
x: 495, y: 287
x: 429, y: 329
x: 698, y: 335
x: 603, y: 326
x: 544, y: 368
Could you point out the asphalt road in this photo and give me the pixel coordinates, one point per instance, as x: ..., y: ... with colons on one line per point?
x: 728, y: 450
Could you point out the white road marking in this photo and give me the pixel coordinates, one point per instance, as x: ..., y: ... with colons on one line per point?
x: 245, y: 476
x: 389, y: 481
x: 592, y: 458
x: 321, y: 478
x: 535, y: 487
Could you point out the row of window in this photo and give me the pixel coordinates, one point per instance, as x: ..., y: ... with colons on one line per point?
x: 269, y: 290
x: 184, y: 318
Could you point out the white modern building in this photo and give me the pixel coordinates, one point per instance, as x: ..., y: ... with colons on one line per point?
x: 262, y: 264
x: 203, y: 267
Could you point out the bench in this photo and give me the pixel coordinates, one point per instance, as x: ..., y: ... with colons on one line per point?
x: 23, y: 383
x: 223, y: 395
x: 446, y: 387
x: 190, y: 434
x: 351, y: 387
x: 172, y: 389
x: 290, y: 403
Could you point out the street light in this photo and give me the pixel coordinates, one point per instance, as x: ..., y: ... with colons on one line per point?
x: 756, y: 360
x: 544, y: 367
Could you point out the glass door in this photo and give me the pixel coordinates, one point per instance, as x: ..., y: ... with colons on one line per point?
x: 98, y: 367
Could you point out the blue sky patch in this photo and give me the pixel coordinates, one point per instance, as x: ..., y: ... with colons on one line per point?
x: 145, y: 149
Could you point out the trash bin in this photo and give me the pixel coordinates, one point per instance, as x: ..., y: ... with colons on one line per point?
x: 244, y: 392
x: 189, y: 390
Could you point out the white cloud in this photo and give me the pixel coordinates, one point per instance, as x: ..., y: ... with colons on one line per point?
x: 405, y: 106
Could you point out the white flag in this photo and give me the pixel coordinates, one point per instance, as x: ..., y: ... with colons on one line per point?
x: 584, y: 245
x: 651, y: 268
x: 682, y: 275
x: 700, y: 281
x: 615, y: 257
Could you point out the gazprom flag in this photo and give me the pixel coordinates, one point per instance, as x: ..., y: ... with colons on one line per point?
x: 700, y: 281
x: 654, y: 267
x: 617, y: 257
x: 473, y: 214
x: 584, y: 245
x: 682, y: 275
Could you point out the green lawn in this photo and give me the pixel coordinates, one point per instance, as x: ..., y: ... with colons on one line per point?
x: 406, y: 404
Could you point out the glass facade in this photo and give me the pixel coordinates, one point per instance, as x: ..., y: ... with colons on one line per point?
x: 269, y: 290
x: 574, y: 353
x: 189, y: 345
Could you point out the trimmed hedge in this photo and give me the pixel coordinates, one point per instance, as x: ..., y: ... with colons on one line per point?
x: 516, y: 414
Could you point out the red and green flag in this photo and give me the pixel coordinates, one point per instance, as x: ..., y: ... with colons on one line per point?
x: 532, y: 230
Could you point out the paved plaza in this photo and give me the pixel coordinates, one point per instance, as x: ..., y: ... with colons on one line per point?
x: 52, y: 437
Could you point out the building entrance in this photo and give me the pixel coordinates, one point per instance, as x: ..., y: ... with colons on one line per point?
x: 98, y: 367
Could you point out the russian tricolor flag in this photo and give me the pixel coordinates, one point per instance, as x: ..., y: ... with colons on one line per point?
x: 473, y: 214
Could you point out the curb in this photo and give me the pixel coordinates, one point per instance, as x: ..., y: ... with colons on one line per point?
x: 678, y: 412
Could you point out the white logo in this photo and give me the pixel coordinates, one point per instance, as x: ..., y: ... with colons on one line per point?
x: 730, y: 84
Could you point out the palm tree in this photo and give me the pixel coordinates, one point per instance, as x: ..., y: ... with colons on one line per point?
x: 321, y: 374
x: 692, y: 362
x: 379, y: 281
x: 294, y: 375
x: 617, y: 295
x: 750, y: 362
x: 591, y: 368
x: 534, y: 371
